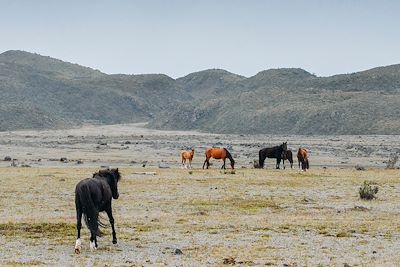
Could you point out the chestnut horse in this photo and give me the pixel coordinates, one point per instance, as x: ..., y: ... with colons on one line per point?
x: 218, y: 153
x: 302, y: 157
x: 187, y: 155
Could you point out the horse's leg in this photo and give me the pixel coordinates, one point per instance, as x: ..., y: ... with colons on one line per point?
x: 278, y: 161
x: 78, y: 243
x: 190, y: 163
x: 205, y: 163
x: 93, y: 241
x: 260, y: 160
x: 111, y: 218
x: 93, y: 232
x: 283, y: 163
x: 223, y: 166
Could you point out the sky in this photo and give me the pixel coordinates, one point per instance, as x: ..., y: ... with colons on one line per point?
x: 177, y: 37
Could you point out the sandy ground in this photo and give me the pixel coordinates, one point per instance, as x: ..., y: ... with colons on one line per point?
x: 131, y: 144
x: 253, y: 217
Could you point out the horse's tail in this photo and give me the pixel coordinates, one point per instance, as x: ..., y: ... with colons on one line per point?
x: 90, y: 212
x: 229, y: 156
x: 261, y: 159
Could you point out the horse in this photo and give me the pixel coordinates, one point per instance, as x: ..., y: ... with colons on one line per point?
x: 218, y: 153
x: 187, y: 155
x: 94, y: 195
x: 302, y: 157
x: 271, y: 152
x: 289, y: 156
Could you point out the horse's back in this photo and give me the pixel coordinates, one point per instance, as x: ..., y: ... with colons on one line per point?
x: 216, y: 153
x: 271, y: 152
x: 187, y: 154
x: 96, y: 188
x: 302, y: 153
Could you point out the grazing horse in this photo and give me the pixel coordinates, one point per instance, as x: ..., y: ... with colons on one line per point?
x: 94, y: 195
x: 271, y: 152
x: 302, y: 157
x: 218, y: 153
x: 187, y: 155
x: 289, y: 156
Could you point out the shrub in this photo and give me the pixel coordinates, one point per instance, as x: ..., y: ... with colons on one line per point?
x: 392, y: 161
x: 367, y: 191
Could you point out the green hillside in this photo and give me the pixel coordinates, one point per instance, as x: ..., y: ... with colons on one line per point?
x: 39, y: 92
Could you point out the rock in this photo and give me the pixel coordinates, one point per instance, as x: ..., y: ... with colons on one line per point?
x: 65, y: 160
x: 144, y: 163
x: 7, y: 158
x: 162, y: 165
x: 229, y: 260
x: 79, y: 162
x: 178, y: 252
x: 127, y: 142
x: 360, y: 168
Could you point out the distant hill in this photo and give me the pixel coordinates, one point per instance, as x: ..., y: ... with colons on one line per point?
x: 38, y: 92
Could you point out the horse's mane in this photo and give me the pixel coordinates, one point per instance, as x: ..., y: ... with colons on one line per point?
x: 229, y: 156
x: 107, y: 172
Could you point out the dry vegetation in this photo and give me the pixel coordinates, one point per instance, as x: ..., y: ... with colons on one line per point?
x: 251, y: 217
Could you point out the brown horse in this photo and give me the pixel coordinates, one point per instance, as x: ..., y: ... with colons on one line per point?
x: 302, y: 157
x: 187, y: 155
x: 287, y: 155
x: 218, y: 153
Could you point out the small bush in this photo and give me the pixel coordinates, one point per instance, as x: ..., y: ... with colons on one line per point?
x: 392, y: 161
x: 367, y: 192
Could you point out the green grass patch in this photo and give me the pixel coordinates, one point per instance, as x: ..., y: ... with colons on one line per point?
x: 38, y: 230
x: 24, y: 263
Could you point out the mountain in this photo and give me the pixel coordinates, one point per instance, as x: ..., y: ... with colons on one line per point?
x: 39, y: 92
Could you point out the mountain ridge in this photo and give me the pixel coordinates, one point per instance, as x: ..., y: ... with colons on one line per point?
x: 40, y: 92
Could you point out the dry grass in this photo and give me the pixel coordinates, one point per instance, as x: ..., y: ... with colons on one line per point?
x: 255, y: 216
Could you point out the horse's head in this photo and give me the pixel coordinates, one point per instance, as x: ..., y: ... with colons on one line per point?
x: 233, y: 164
x: 284, y: 147
x: 116, y: 176
x: 112, y: 176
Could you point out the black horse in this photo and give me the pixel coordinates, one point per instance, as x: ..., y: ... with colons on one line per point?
x: 271, y: 152
x: 289, y: 156
x: 94, y: 195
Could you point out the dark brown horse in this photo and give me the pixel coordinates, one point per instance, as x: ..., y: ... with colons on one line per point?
x: 92, y: 196
x: 272, y: 152
x: 218, y: 153
x: 287, y: 156
x: 302, y: 157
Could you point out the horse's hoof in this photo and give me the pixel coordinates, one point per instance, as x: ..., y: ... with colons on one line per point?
x: 92, y: 246
x: 78, y: 246
x: 114, y: 241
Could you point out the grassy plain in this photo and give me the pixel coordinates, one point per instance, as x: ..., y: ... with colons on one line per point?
x: 252, y: 217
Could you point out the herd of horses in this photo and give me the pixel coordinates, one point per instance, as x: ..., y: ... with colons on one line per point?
x: 94, y: 195
x: 280, y: 153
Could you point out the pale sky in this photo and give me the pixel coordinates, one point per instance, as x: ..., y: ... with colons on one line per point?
x: 179, y: 37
